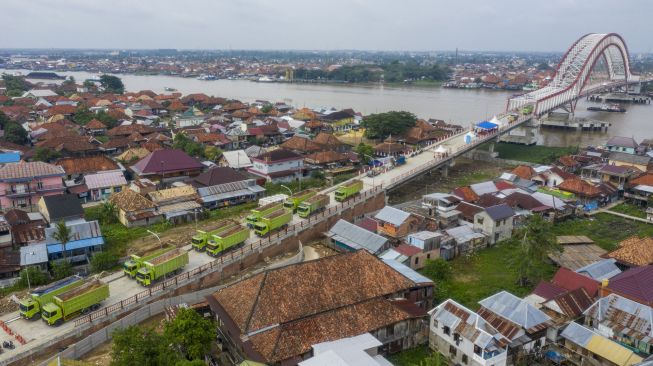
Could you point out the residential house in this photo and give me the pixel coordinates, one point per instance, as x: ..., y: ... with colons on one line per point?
x: 95, y: 128
x: 395, y: 223
x: 624, y: 321
x: 63, y: 207
x: 569, y: 280
x: 23, y: 184
x: 496, y: 222
x: 633, y: 284
x: 441, y: 202
x: 346, y: 236
x: 27, y: 228
x: 340, y: 121
x: 361, y: 350
x: 177, y: 204
x: 428, y: 243
x: 578, y: 251
x: 167, y: 165
x: 222, y: 186
x: 327, y: 159
x: 9, y: 256
x: 633, y: 252
x: 521, y: 323
x: 640, y: 162
x: 464, y: 241
x: 278, y: 166
x: 236, y: 159
x: 191, y: 117
x: 77, y: 167
x: 134, y: 209
x: 599, y: 271
x: 404, y: 254
x: 274, y: 317
x: 582, y: 346
x: 85, y: 240
x: 330, y: 142
x: 100, y: 186
x: 465, y: 337
x: 626, y: 145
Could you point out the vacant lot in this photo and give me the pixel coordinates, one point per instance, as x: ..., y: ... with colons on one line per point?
x: 533, y: 154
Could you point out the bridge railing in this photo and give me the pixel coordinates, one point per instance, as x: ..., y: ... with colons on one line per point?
x: 228, y: 258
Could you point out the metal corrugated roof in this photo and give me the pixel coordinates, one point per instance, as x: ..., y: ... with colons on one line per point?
x: 577, y: 334
x: 33, y: 254
x: 483, y: 188
x: 77, y: 244
x: 612, y: 351
x: 356, y: 237
x: 601, y: 270
x: 515, y: 309
x: 392, y: 215
x: 106, y: 179
x: 408, y: 272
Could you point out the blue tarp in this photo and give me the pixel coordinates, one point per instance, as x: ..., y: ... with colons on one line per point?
x: 9, y: 158
x: 554, y: 356
x: 486, y: 125
x: 71, y: 245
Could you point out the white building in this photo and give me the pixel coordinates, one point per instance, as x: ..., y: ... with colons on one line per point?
x: 278, y: 166
x: 360, y: 350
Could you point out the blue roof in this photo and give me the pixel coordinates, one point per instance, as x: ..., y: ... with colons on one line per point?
x: 487, y: 125
x: 10, y: 157
x: 77, y: 244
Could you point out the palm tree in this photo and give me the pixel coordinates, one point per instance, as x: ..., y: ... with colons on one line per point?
x: 62, y: 235
x: 538, y: 241
x: 108, y: 212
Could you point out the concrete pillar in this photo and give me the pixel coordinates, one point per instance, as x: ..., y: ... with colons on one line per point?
x: 491, y: 148
x: 445, y: 170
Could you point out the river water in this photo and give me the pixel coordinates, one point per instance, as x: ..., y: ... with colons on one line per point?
x: 458, y: 106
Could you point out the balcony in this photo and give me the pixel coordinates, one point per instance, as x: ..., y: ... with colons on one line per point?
x: 23, y: 191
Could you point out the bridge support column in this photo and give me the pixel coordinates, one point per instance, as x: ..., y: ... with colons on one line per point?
x: 491, y: 147
x: 445, y: 170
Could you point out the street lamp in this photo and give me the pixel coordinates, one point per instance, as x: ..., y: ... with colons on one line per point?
x: 289, y: 190
x: 372, y: 160
x: 29, y: 286
x: 156, y: 236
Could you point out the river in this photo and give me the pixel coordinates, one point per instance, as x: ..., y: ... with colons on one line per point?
x: 458, y: 106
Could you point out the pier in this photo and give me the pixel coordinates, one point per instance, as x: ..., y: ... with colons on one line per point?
x: 620, y: 97
x: 567, y: 121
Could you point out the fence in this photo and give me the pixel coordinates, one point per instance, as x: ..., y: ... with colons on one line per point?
x: 226, y: 259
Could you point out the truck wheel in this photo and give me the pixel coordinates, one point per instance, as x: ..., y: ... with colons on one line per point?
x: 58, y: 322
x: 36, y: 316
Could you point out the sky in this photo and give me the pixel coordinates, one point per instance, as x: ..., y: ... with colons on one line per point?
x: 417, y: 25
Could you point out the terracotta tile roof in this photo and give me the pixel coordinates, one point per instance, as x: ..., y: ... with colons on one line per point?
x: 635, y: 284
x: 488, y: 200
x: 466, y: 194
x: 524, y: 172
x: 87, y: 164
x: 327, y: 140
x: 567, y: 161
x: 133, y: 153
x: 634, y: 251
x: 644, y: 179
x: 579, y: 187
x: 183, y: 192
x: 468, y: 210
x: 522, y: 200
x: 24, y: 169
x: 278, y: 155
x: 126, y: 130
x: 294, y: 292
x: 70, y: 144
x: 219, y: 175
x: 129, y: 201
x: 64, y: 109
x: 94, y: 124
x: 571, y: 280
x: 302, y: 144
x: 325, y: 157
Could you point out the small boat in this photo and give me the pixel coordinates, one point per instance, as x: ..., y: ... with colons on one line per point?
x: 608, y: 108
x: 167, y: 88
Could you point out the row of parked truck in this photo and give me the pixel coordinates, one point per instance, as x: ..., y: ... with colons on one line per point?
x: 156, y: 264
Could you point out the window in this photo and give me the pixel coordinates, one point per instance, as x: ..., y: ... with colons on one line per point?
x: 479, y: 220
x: 452, y: 350
x: 465, y: 360
x: 428, y: 256
x: 390, y: 330
x: 446, y: 330
x: 478, y: 350
x: 416, y: 260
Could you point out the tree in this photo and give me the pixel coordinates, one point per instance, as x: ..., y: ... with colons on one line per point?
x: 15, y: 85
x: 191, y: 332
x: 192, y: 148
x: 108, y: 213
x: 381, y: 125
x: 434, y: 359
x: 15, y: 133
x: 190, y: 363
x: 88, y: 84
x: 136, y: 345
x: 267, y: 108
x: 536, y: 244
x: 365, y: 153
x: 4, y: 120
x: 212, y: 153
x: 62, y: 235
x: 36, y: 277
x: 112, y: 84
x: 103, y: 261
x: 45, y: 154
x: 69, y: 81
x: 61, y: 269
x: 438, y: 270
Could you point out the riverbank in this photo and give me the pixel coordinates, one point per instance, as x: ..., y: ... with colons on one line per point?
x: 536, y: 154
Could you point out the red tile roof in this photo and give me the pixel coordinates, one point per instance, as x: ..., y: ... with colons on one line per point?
x: 634, y: 284
x: 524, y: 172
x: 548, y: 291
x: 466, y: 194
x: 32, y: 169
x: 571, y: 280
x: 407, y: 249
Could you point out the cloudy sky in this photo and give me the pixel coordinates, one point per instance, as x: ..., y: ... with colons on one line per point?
x: 521, y: 25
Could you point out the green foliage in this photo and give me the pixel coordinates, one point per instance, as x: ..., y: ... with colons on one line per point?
x: 69, y: 81
x: 190, y: 147
x: 267, y: 108
x: 15, y: 85
x: 88, y: 84
x: 534, y: 153
x: 108, y: 213
x: 45, y: 154
x: 4, y: 120
x: 392, y: 72
x: 410, y: 357
x: 61, y: 269
x: 212, y: 153
x: 365, y: 152
x: 630, y: 209
x: 434, y: 359
x: 112, y: 84
x: 191, y: 332
x: 15, y: 133
x: 62, y: 235
x: 36, y: 277
x: 136, y: 345
x: 274, y: 188
x: 83, y: 116
x: 381, y: 125
x: 437, y: 269
x: 103, y: 261
x: 537, y: 242
x: 601, y: 229
x: 318, y: 174
x: 190, y: 363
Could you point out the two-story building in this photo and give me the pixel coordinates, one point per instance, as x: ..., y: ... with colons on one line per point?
x: 22, y: 184
x: 465, y: 337
x: 395, y: 223
x: 278, y: 166
x: 496, y: 222
x: 621, y: 144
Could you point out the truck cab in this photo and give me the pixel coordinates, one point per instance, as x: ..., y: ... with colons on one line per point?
x: 51, y: 314
x: 261, y: 229
x: 144, y: 276
x: 289, y: 204
x: 29, y: 308
x: 251, y: 220
x: 130, y: 267
x: 304, y: 209
x: 212, y: 248
x: 340, y: 194
x: 199, y: 242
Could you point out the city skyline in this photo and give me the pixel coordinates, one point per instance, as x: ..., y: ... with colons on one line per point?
x: 343, y: 25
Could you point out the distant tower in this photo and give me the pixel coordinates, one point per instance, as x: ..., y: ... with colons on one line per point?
x: 456, y: 56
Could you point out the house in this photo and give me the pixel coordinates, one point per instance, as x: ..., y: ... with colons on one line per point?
x: 620, y: 144
x: 177, y: 204
x: 465, y: 337
x: 577, y: 252
x: 633, y: 252
x: 102, y: 185
x: 441, y: 202
x: 349, y: 237
x: 191, y: 117
x: 569, y: 280
x: 34, y: 255
x: 405, y: 254
x: 361, y: 350
x: 63, y: 207
x: 95, y: 128
x: 599, y: 271
x: 640, y: 162
x: 26, y: 228
x: 340, y: 121
x: 624, y: 321
x: 464, y: 241
x: 330, y: 142
x: 428, y: 244
x: 76, y: 167
x: 395, y: 223
x: 278, y: 166
x: 23, y: 184
x: 85, y: 240
x: 134, y: 209
x: 275, y: 317
x: 327, y: 159
x: 521, y: 323
x: 237, y: 159
x: 496, y: 222
x: 222, y: 186
x: 167, y: 165
x: 633, y: 284
x: 582, y: 346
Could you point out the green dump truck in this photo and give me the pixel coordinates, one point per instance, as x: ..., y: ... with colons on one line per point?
x: 293, y: 202
x: 226, y: 239
x: 313, y: 205
x: 527, y: 110
x: 162, y: 265
x: 272, y: 221
x: 200, y: 239
x: 78, y: 300
x: 257, y: 213
x: 31, y: 306
x: 348, y: 190
x: 135, y: 262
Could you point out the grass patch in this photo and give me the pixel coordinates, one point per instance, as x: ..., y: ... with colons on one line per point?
x: 276, y: 188
x: 410, y: 357
x: 474, y: 177
x: 485, y: 273
x: 630, y: 209
x: 226, y: 212
x: 606, y: 230
x: 533, y: 154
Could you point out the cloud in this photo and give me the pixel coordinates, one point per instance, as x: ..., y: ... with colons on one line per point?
x: 307, y: 24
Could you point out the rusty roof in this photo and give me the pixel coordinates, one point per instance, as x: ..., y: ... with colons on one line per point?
x: 87, y: 164
x: 634, y: 251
